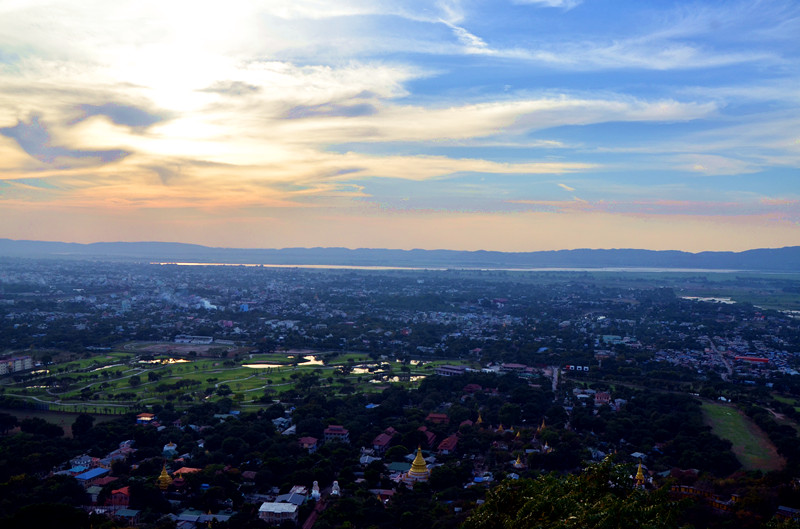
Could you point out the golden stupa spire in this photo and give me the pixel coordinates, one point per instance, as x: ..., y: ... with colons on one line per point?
x: 480, y: 419
x: 541, y: 428
x: 639, y: 479
x: 164, y: 480
x: 419, y: 466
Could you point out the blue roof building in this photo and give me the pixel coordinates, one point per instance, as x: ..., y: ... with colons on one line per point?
x: 91, y: 474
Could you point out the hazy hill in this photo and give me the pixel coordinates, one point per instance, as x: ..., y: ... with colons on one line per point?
x: 765, y: 259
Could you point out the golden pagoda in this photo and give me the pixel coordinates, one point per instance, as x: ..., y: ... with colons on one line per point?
x: 518, y: 463
x: 480, y: 419
x: 638, y: 481
x: 418, y: 471
x: 164, y: 480
x: 541, y: 428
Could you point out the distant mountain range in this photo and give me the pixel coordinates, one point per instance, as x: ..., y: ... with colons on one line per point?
x: 766, y: 259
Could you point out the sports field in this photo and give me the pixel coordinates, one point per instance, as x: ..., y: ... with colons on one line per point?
x: 750, y: 444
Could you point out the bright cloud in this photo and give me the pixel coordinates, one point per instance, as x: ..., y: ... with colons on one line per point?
x: 324, y: 114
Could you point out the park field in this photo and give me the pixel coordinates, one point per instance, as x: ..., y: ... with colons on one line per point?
x: 751, y: 445
x: 137, y: 377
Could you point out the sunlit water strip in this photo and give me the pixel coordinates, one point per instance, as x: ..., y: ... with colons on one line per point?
x: 468, y: 268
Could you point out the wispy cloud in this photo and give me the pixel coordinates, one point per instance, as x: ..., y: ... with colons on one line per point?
x: 565, y: 4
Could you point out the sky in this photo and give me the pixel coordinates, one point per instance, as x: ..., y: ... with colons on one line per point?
x: 511, y: 125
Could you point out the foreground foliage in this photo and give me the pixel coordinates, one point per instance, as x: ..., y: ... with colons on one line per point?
x: 601, y: 497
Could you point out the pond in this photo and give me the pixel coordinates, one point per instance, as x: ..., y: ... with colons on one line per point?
x: 162, y: 361
x: 308, y: 361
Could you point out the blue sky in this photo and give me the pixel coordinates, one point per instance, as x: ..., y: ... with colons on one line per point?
x: 506, y: 125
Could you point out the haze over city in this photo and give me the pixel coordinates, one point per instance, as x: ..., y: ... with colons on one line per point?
x: 517, y: 125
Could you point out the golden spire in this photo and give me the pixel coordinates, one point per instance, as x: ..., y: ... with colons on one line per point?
x: 419, y: 466
x: 480, y: 419
x: 639, y: 479
x: 501, y: 428
x: 164, y: 480
x: 418, y: 471
x: 541, y: 428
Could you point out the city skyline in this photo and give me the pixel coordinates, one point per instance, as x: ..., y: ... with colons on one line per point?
x: 518, y: 125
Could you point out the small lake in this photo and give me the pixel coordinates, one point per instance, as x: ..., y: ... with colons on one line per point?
x: 307, y: 361
x: 162, y: 361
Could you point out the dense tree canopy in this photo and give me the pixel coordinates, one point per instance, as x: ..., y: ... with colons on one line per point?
x: 602, y: 497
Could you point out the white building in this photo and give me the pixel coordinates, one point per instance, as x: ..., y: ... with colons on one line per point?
x: 15, y: 364
x: 277, y: 513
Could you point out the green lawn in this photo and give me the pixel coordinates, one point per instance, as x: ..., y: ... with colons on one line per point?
x: 785, y: 400
x: 750, y: 444
x: 247, y: 384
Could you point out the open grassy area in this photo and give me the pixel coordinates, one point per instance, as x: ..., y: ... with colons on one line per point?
x: 750, y: 444
x: 64, y: 419
x: 116, y: 382
x: 787, y: 400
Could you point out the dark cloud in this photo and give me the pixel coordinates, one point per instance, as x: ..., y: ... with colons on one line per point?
x: 34, y: 139
x: 126, y: 115
x: 232, y: 88
x: 165, y: 174
x: 332, y: 110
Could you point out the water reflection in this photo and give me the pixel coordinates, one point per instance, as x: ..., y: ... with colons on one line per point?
x: 301, y: 362
x: 159, y: 361
x: 725, y: 301
x: 412, y: 362
x: 414, y: 378
x: 311, y: 361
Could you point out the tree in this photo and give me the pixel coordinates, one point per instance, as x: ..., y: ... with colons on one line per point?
x: 48, y: 515
x: 7, y: 422
x: 83, y: 423
x: 134, y: 381
x: 602, y: 497
x: 35, y: 425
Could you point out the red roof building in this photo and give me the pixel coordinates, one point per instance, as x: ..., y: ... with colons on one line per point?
x: 601, y: 397
x: 336, y: 432
x: 309, y: 443
x: 430, y: 437
x: 382, y: 441
x: 120, y: 497
x: 437, y: 418
x: 448, y: 444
